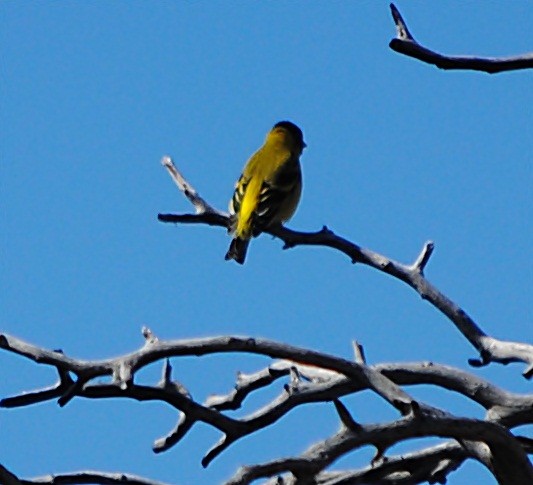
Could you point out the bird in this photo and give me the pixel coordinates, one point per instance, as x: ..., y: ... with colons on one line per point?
x: 269, y: 188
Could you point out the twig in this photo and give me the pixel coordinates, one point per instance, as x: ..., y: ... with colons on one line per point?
x: 199, y: 204
x: 247, y: 383
x: 346, y: 418
x: 359, y: 352
x: 407, y: 45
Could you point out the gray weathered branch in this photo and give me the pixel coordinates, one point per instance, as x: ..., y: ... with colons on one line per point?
x: 490, y: 348
x: 508, y: 461
x: 405, y: 44
x: 316, y: 377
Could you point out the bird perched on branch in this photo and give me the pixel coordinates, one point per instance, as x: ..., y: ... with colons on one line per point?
x: 269, y: 188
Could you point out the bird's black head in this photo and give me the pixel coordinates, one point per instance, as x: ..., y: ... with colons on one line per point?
x: 293, y: 130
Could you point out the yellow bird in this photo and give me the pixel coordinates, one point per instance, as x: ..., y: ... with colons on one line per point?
x: 268, y: 191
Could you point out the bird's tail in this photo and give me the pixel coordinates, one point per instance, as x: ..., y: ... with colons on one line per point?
x: 237, y: 250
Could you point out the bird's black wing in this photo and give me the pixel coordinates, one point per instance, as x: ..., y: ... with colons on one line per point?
x: 274, y: 193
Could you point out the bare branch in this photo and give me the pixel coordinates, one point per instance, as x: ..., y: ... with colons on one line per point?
x: 247, y: 384
x: 321, y: 377
x: 163, y: 349
x: 345, y: 417
x: 423, y: 258
x: 359, y: 352
x: 42, y: 395
x: 529, y: 371
x: 148, y: 335
x: 502, y: 406
x: 510, y: 463
x: 232, y: 429
x: 75, y: 478
x: 432, y: 464
x: 199, y: 204
x: 87, y: 477
x: 407, y: 45
x: 8, y: 478
x: 402, y: 31
x: 183, y: 426
x: 490, y: 348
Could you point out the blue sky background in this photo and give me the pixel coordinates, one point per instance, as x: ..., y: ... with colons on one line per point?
x: 94, y: 93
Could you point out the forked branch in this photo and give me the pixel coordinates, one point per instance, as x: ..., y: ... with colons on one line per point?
x: 314, y: 377
x: 489, y: 348
x: 406, y: 44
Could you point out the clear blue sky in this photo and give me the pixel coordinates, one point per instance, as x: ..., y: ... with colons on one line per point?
x: 94, y: 93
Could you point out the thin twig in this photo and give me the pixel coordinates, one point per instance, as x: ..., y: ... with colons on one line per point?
x: 199, y: 204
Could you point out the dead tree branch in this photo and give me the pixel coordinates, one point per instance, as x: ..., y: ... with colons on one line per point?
x: 75, y: 478
x: 7, y: 477
x: 406, y: 44
x: 489, y: 348
x: 315, y: 377
x: 382, y: 436
x: 431, y: 465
